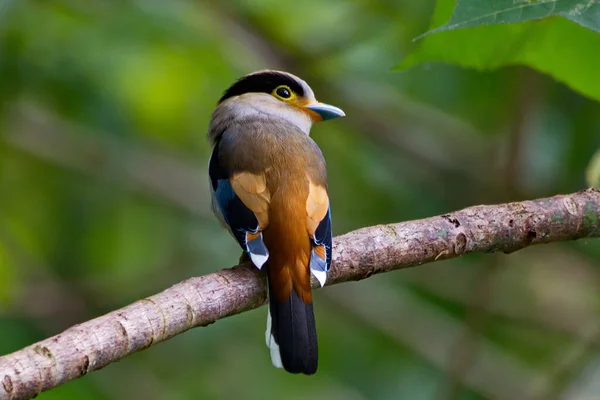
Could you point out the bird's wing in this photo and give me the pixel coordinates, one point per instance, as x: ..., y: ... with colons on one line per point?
x: 241, y: 202
x: 318, y: 224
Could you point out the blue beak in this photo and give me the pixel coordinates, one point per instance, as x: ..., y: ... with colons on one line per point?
x: 326, y: 111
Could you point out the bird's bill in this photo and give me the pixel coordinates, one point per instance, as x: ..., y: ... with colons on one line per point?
x: 326, y: 111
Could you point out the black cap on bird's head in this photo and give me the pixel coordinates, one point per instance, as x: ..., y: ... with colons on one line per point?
x: 285, y: 87
x: 264, y: 82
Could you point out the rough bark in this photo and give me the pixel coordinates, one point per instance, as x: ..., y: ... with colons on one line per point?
x: 357, y: 255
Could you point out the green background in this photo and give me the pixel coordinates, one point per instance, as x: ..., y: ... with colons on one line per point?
x: 104, y: 107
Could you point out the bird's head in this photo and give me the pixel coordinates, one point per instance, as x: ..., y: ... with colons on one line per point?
x: 274, y: 94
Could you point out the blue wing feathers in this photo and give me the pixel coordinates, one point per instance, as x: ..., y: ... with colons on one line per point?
x: 323, y: 236
x: 239, y: 218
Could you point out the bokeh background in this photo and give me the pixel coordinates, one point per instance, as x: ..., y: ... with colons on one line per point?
x: 104, y: 107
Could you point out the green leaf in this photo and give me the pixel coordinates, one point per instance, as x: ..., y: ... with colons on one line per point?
x: 592, y: 173
x: 470, y: 13
x: 558, y: 47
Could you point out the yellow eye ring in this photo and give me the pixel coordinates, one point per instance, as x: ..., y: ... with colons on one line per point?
x: 284, y: 93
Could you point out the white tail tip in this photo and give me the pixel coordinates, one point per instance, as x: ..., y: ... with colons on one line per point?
x: 273, y: 346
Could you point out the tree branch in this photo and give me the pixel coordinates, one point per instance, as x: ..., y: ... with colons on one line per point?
x: 357, y: 255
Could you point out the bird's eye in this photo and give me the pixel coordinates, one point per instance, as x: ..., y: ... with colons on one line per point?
x: 283, y: 92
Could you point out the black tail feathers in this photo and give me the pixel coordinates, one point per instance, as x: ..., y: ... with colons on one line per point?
x: 293, y: 329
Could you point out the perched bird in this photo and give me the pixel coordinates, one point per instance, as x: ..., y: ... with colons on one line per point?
x: 269, y: 189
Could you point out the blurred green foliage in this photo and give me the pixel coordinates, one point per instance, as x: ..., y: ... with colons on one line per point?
x: 593, y: 171
x: 103, y: 112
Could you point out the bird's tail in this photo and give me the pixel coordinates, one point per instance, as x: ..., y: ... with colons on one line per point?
x: 291, y: 332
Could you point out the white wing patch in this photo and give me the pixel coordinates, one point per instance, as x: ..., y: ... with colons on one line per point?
x: 259, y: 254
x: 320, y: 275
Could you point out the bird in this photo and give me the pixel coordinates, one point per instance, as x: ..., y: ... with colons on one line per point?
x: 268, y: 184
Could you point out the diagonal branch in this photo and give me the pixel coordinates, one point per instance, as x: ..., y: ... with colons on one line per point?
x: 357, y: 255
